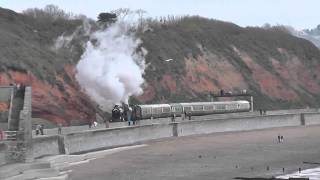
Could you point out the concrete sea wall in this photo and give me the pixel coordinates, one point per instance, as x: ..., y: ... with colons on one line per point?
x: 99, y: 139
x: 91, y: 140
x: 311, y: 118
x: 47, y: 145
x: 237, y: 124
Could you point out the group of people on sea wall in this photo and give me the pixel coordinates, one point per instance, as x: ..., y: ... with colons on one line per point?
x: 124, y: 113
x: 263, y: 112
x: 39, y: 129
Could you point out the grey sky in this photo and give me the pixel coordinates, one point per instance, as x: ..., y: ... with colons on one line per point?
x: 297, y: 13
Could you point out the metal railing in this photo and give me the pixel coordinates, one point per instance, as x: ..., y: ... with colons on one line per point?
x: 8, y: 135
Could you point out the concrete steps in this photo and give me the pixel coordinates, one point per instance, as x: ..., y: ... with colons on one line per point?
x: 62, y: 162
x: 17, y: 105
x: 53, y: 167
x: 36, y: 170
x: 18, y: 168
x: 36, y: 174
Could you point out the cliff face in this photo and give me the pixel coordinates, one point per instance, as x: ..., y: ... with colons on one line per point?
x: 60, y: 103
x: 28, y: 57
x: 280, y: 70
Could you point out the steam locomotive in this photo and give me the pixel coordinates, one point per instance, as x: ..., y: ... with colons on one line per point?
x: 147, y: 111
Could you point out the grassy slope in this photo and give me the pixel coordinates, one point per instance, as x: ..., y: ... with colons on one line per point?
x: 182, y: 40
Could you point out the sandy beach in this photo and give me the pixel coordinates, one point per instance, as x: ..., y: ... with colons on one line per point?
x: 220, y: 156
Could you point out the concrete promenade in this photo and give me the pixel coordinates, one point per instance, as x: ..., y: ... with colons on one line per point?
x: 221, y: 156
x: 104, y: 138
x: 73, y: 129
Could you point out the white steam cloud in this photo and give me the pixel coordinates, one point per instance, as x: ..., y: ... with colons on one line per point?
x: 110, y: 70
x: 64, y: 41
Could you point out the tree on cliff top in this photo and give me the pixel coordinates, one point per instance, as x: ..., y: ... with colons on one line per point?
x: 107, y: 18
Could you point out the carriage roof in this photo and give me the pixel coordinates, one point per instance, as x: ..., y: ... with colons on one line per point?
x: 154, y: 105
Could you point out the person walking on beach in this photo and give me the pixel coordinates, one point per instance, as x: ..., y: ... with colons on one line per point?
x: 279, y: 139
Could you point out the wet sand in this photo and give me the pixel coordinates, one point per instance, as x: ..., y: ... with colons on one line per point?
x: 220, y: 156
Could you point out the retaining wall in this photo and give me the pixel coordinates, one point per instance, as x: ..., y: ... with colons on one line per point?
x: 99, y: 139
x: 237, y: 124
x: 91, y: 140
x: 46, y: 145
x: 311, y: 118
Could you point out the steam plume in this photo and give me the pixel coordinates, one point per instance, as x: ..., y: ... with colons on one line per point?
x: 110, y: 70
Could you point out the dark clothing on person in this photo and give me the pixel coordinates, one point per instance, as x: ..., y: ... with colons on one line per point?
x: 134, y: 114
x: 59, y: 128
x: 90, y: 124
x: 41, y: 129
x: 173, y: 117
x: 189, y: 115
x: 38, y: 129
x: 221, y: 92
x: 116, y: 114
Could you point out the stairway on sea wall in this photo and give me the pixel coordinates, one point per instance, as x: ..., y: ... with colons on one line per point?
x: 17, y: 142
x: 17, y: 106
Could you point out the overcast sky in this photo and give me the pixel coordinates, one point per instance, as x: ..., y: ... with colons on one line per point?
x: 300, y: 14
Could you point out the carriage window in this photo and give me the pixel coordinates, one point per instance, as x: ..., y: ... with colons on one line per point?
x: 208, y: 108
x: 187, y: 109
x: 198, y: 108
x: 177, y: 109
x: 231, y: 106
x: 220, y: 106
x: 155, y: 110
x: 166, y: 109
x: 146, y: 111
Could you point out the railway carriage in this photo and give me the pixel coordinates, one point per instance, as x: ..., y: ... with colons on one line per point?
x: 193, y: 108
x: 153, y: 110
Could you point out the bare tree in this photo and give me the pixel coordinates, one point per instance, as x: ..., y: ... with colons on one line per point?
x: 140, y: 13
x: 48, y: 12
x: 121, y: 12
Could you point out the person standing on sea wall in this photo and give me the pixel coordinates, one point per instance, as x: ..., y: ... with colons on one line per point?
x: 129, y: 112
x: 59, y: 128
x: 38, y: 127
x: 182, y: 116
x: 42, y: 129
